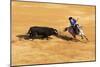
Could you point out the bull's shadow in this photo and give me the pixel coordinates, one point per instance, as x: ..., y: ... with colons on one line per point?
x: 63, y: 37
x: 22, y: 37
x: 26, y: 37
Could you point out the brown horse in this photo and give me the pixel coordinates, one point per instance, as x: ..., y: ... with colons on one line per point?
x: 78, y: 31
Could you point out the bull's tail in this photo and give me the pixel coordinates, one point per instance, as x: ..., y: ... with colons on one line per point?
x: 29, y: 31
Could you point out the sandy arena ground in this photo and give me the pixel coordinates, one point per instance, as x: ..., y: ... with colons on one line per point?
x: 55, y: 50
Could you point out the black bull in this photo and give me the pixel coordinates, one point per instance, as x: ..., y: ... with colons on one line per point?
x: 41, y: 32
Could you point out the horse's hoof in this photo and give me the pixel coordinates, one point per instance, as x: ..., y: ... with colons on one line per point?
x: 81, y: 38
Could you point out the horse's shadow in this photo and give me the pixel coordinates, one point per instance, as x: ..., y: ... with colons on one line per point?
x: 67, y: 38
x: 63, y: 37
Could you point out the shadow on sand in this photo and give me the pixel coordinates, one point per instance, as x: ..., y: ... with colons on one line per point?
x: 63, y: 37
x: 23, y: 37
x: 67, y: 38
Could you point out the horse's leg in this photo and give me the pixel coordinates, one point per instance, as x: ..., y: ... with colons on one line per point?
x: 81, y: 36
x: 72, y: 33
x: 85, y: 37
x: 74, y: 36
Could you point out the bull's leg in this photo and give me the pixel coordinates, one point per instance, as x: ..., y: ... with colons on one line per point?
x: 45, y: 37
x: 48, y: 38
x: 31, y: 36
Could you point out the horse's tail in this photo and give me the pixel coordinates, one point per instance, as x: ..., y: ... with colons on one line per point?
x: 66, y: 29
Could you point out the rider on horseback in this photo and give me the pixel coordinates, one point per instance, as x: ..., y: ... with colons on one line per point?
x: 73, y: 23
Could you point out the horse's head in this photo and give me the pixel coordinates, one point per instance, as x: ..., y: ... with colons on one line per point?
x: 78, y: 26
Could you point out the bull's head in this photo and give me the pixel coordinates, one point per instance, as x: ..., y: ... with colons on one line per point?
x: 55, y: 32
